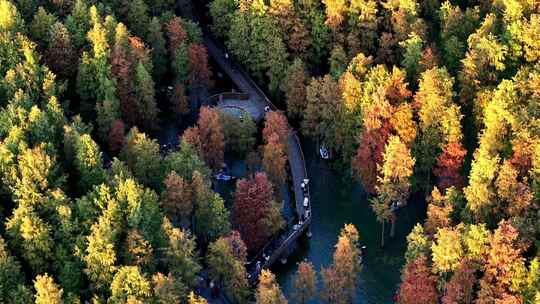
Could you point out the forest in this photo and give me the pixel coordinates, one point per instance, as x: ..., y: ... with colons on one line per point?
x: 428, y: 98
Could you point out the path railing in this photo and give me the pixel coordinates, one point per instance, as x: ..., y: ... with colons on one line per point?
x: 214, y: 99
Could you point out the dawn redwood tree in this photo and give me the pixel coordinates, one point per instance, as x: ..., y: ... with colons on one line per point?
x: 211, y: 216
x: 129, y: 284
x: 418, y: 285
x: 515, y: 195
x: 294, y: 87
x: 239, y: 133
x: 207, y: 138
x: 439, y: 124
x: 60, y: 54
x: 47, y: 291
x: 179, y: 100
x: 268, y: 291
x: 369, y: 155
x: 177, y: 198
x: 336, y: 11
x: 222, y: 12
x: 449, y: 164
x: 274, y: 161
x: 331, y: 292
x: 88, y: 163
x: 144, y: 90
x: 253, y: 202
x: 381, y: 207
x: 212, y: 138
x: 32, y: 237
x: 439, y: 210
x: 199, y: 73
x: 460, y: 288
x: 40, y: 26
x: 121, y: 69
x: 226, y: 258
x: 141, y: 155
x: 167, y: 289
x: 176, y: 34
x: 276, y: 123
x: 137, y: 17
x: 156, y: 41
x: 344, y: 269
x: 394, y: 174
x: 138, y: 251
x: 305, y: 283
x: 447, y: 250
x: 181, y: 253
x: 503, y: 268
x: 322, y: 117
x: 192, y: 137
x: 340, y: 278
x: 417, y: 244
x: 116, y: 138
x: 179, y: 63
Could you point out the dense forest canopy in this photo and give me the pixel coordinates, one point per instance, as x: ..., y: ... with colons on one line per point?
x: 437, y: 97
x: 409, y: 96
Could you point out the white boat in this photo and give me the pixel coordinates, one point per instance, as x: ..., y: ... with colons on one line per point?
x: 324, y: 153
x: 223, y: 177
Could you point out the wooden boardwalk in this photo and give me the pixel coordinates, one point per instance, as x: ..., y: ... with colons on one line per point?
x: 279, y: 247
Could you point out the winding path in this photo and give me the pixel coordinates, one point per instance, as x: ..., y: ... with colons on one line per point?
x: 256, y: 105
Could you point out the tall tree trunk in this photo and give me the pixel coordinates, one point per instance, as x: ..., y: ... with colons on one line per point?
x: 393, y: 227
x: 382, y: 235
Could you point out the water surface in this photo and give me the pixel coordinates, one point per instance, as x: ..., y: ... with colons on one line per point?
x: 336, y: 201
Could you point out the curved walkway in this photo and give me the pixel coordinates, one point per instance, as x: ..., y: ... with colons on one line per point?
x: 257, y: 103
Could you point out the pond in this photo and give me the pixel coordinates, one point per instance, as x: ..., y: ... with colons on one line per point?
x: 335, y: 201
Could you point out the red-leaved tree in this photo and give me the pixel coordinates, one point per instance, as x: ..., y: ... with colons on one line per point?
x: 252, y: 202
x: 448, y: 166
x: 503, y: 266
x: 276, y: 123
x: 176, y: 34
x: 370, y: 149
x: 121, y: 69
x: 207, y: 138
x: 275, y: 160
x: 116, y: 138
x: 460, y: 287
x: 199, y: 74
x: 418, y: 284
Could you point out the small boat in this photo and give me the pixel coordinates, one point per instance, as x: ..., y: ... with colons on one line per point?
x: 224, y: 177
x: 324, y: 153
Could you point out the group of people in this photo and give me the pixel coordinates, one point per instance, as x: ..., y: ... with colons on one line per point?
x: 305, y: 191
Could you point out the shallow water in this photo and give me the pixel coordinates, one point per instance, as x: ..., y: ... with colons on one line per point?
x: 336, y: 202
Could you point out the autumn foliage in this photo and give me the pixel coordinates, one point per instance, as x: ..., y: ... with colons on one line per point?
x: 116, y: 138
x: 370, y: 150
x: 177, y: 199
x: 176, y: 33
x: 252, y: 204
x: 449, y: 164
x: 274, y: 160
x: 207, y: 138
x: 276, y: 123
x: 199, y: 73
x: 418, y: 284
